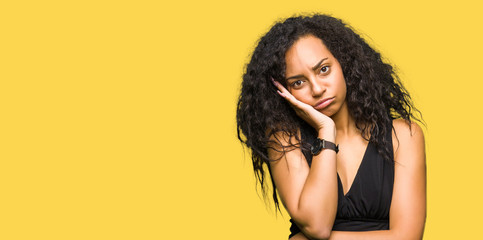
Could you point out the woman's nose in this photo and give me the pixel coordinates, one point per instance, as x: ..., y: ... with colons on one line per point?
x: 317, y: 88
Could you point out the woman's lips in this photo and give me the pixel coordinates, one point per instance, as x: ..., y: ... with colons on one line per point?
x: 323, y: 103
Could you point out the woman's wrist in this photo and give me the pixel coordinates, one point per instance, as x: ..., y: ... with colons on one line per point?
x: 327, y: 133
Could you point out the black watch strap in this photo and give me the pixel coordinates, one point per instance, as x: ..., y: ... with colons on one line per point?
x: 323, y: 144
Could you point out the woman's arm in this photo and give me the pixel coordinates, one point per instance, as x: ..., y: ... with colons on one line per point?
x: 408, y: 208
x: 308, y: 193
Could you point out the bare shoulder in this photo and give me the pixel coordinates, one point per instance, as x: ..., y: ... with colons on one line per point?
x: 282, y: 143
x: 403, y: 126
x: 408, y: 139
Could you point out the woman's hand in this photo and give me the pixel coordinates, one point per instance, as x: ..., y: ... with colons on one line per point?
x: 316, y: 119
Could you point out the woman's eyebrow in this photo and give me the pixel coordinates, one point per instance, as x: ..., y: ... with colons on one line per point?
x: 318, y: 64
x: 296, y: 76
x: 313, y: 68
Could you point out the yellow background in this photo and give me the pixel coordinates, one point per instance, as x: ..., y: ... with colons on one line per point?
x: 118, y: 117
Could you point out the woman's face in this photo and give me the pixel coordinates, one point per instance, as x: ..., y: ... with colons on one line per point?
x: 314, y: 76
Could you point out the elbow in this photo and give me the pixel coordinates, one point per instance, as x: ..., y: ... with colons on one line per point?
x: 319, y: 233
x: 315, y: 226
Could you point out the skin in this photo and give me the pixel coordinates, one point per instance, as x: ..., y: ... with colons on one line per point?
x: 310, y: 193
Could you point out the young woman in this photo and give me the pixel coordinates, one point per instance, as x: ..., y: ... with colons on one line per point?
x: 336, y: 129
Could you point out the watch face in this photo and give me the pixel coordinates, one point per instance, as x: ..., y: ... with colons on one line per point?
x: 312, y: 150
x: 315, y: 149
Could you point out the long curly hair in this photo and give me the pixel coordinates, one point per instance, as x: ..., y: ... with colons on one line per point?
x: 375, y: 94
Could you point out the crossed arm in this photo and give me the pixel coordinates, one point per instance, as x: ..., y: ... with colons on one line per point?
x: 408, y: 208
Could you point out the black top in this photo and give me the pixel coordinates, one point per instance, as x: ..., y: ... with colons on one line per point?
x: 366, y: 205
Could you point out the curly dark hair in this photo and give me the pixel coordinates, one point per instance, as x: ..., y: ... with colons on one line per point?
x: 375, y: 94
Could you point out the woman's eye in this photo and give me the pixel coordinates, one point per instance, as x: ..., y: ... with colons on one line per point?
x: 324, y: 69
x: 297, y: 83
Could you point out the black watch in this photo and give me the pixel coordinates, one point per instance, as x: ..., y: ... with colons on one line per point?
x: 320, y: 144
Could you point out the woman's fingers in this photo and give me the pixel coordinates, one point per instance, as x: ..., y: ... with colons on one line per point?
x: 282, y: 91
x: 279, y: 86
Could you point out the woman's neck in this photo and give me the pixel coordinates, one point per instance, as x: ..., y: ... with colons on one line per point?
x: 345, y: 124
